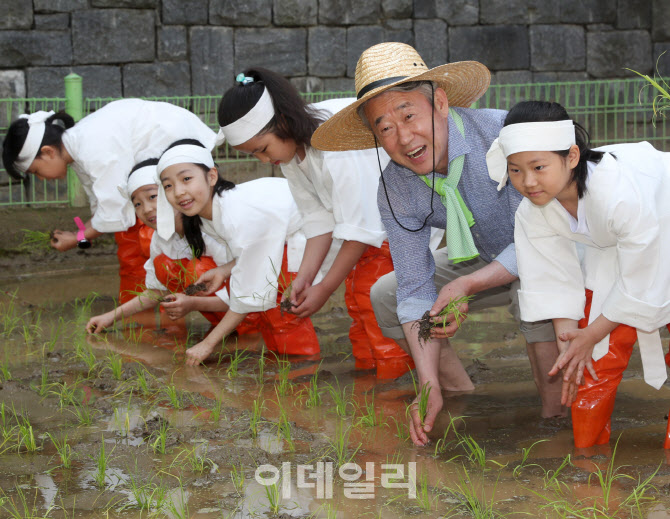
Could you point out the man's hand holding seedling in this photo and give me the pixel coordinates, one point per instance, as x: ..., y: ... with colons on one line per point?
x: 450, y: 309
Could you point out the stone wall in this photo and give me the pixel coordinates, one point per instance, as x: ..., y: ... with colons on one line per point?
x: 182, y: 47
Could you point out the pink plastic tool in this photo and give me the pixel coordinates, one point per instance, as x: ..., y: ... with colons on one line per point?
x: 82, y: 242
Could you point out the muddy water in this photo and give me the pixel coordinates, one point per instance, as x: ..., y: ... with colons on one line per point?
x: 186, y: 443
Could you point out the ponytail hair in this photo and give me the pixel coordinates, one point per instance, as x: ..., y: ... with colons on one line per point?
x: 539, y: 111
x: 54, y: 127
x: 293, y: 119
x: 192, y: 224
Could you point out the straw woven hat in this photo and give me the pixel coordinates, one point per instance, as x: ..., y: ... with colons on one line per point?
x: 383, y: 66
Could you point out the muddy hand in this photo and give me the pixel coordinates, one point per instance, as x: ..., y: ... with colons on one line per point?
x: 198, y: 353
x: 63, y: 240
x: 417, y: 430
x: 176, y: 306
x: 212, y: 279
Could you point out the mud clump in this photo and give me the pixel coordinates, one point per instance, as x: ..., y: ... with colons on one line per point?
x: 285, y: 306
x: 425, y: 325
x: 195, y: 288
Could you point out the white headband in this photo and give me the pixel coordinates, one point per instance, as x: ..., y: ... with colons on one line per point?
x: 182, y: 154
x: 31, y: 146
x: 144, y: 176
x: 250, y: 124
x: 515, y: 138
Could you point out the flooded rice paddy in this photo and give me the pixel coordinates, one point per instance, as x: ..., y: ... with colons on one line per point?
x: 117, y: 426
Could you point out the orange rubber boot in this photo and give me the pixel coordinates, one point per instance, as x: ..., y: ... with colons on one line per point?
x: 131, y: 262
x: 360, y: 343
x: 592, y: 410
x: 666, y: 443
x: 283, y: 332
x: 392, y: 361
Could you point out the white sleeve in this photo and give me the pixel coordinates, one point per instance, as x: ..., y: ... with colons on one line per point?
x: 640, y: 296
x: 113, y: 211
x: 552, y: 283
x: 355, y: 176
x: 253, y: 280
x: 151, y: 281
x: 317, y: 220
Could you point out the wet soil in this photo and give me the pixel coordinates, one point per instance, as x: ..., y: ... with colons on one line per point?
x: 186, y: 442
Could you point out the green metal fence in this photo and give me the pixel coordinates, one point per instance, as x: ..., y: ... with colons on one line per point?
x: 612, y: 111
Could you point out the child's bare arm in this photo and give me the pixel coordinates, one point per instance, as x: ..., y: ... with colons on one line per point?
x: 148, y: 299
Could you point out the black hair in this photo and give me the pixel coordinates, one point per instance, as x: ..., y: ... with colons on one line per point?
x: 16, y: 137
x: 192, y: 224
x: 293, y: 119
x: 538, y: 111
x: 144, y: 163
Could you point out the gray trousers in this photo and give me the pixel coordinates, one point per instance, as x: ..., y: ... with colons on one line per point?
x: 383, y: 296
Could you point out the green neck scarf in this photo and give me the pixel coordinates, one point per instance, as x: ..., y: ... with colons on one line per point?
x: 460, y: 245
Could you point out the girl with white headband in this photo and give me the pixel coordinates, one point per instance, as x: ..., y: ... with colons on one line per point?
x: 171, y: 265
x: 101, y: 148
x: 609, y: 205
x: 263, y: 115
x: 259, y: 224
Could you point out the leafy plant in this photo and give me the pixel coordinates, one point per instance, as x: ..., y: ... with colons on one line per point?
x: 661, y: 101
x: 63, y: 449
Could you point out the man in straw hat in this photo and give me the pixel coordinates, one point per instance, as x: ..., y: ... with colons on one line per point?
x: 405, y: 107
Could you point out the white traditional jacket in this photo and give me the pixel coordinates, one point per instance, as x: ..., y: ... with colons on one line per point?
x: 254, y: 221
x: 624, y: 226
x: 108, y: 143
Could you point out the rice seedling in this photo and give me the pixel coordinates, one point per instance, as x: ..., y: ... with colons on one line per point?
x: 67, y: 394
x: 134, y: 333
x: 20, y: 508
x: 175, y: 505
x: 369, y: 417
x: 198, y: 460
x: 42, y: 388
x: 422, y: 405
x: 260, y: 374
x: 5, y: 374
x: 283, y: 385
x: 427, y: 323
x: 338, y: 450
x: 425, y: 499
x: 84, y: 413
x: 115, y: 366
x: 236, y: 358
x: 217, y: 410
x: 10, y: 317
x: 84, y: 353
x: 525, y: 453
x: 101, y: 463
x: 475, y: 453
x: 158, y: 439
x: 444, y: 443
x: 342, y: 399
x: 238, y: 479
x: 174, y: 396
x: 273, y: 495
x: 314, y: 391
x: 402, y: 430
x: 472, y: 497
x: 148, y: 496
x: 25, y: 436
x: 284, y: 429
x: 36, y: 240
x: 550, y: 479
x: 122, y: 422
x: 63, y: 449
x: 7, y: 429
x: 255, y: 418
x: 142, y: 382
x: 661, y: 101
